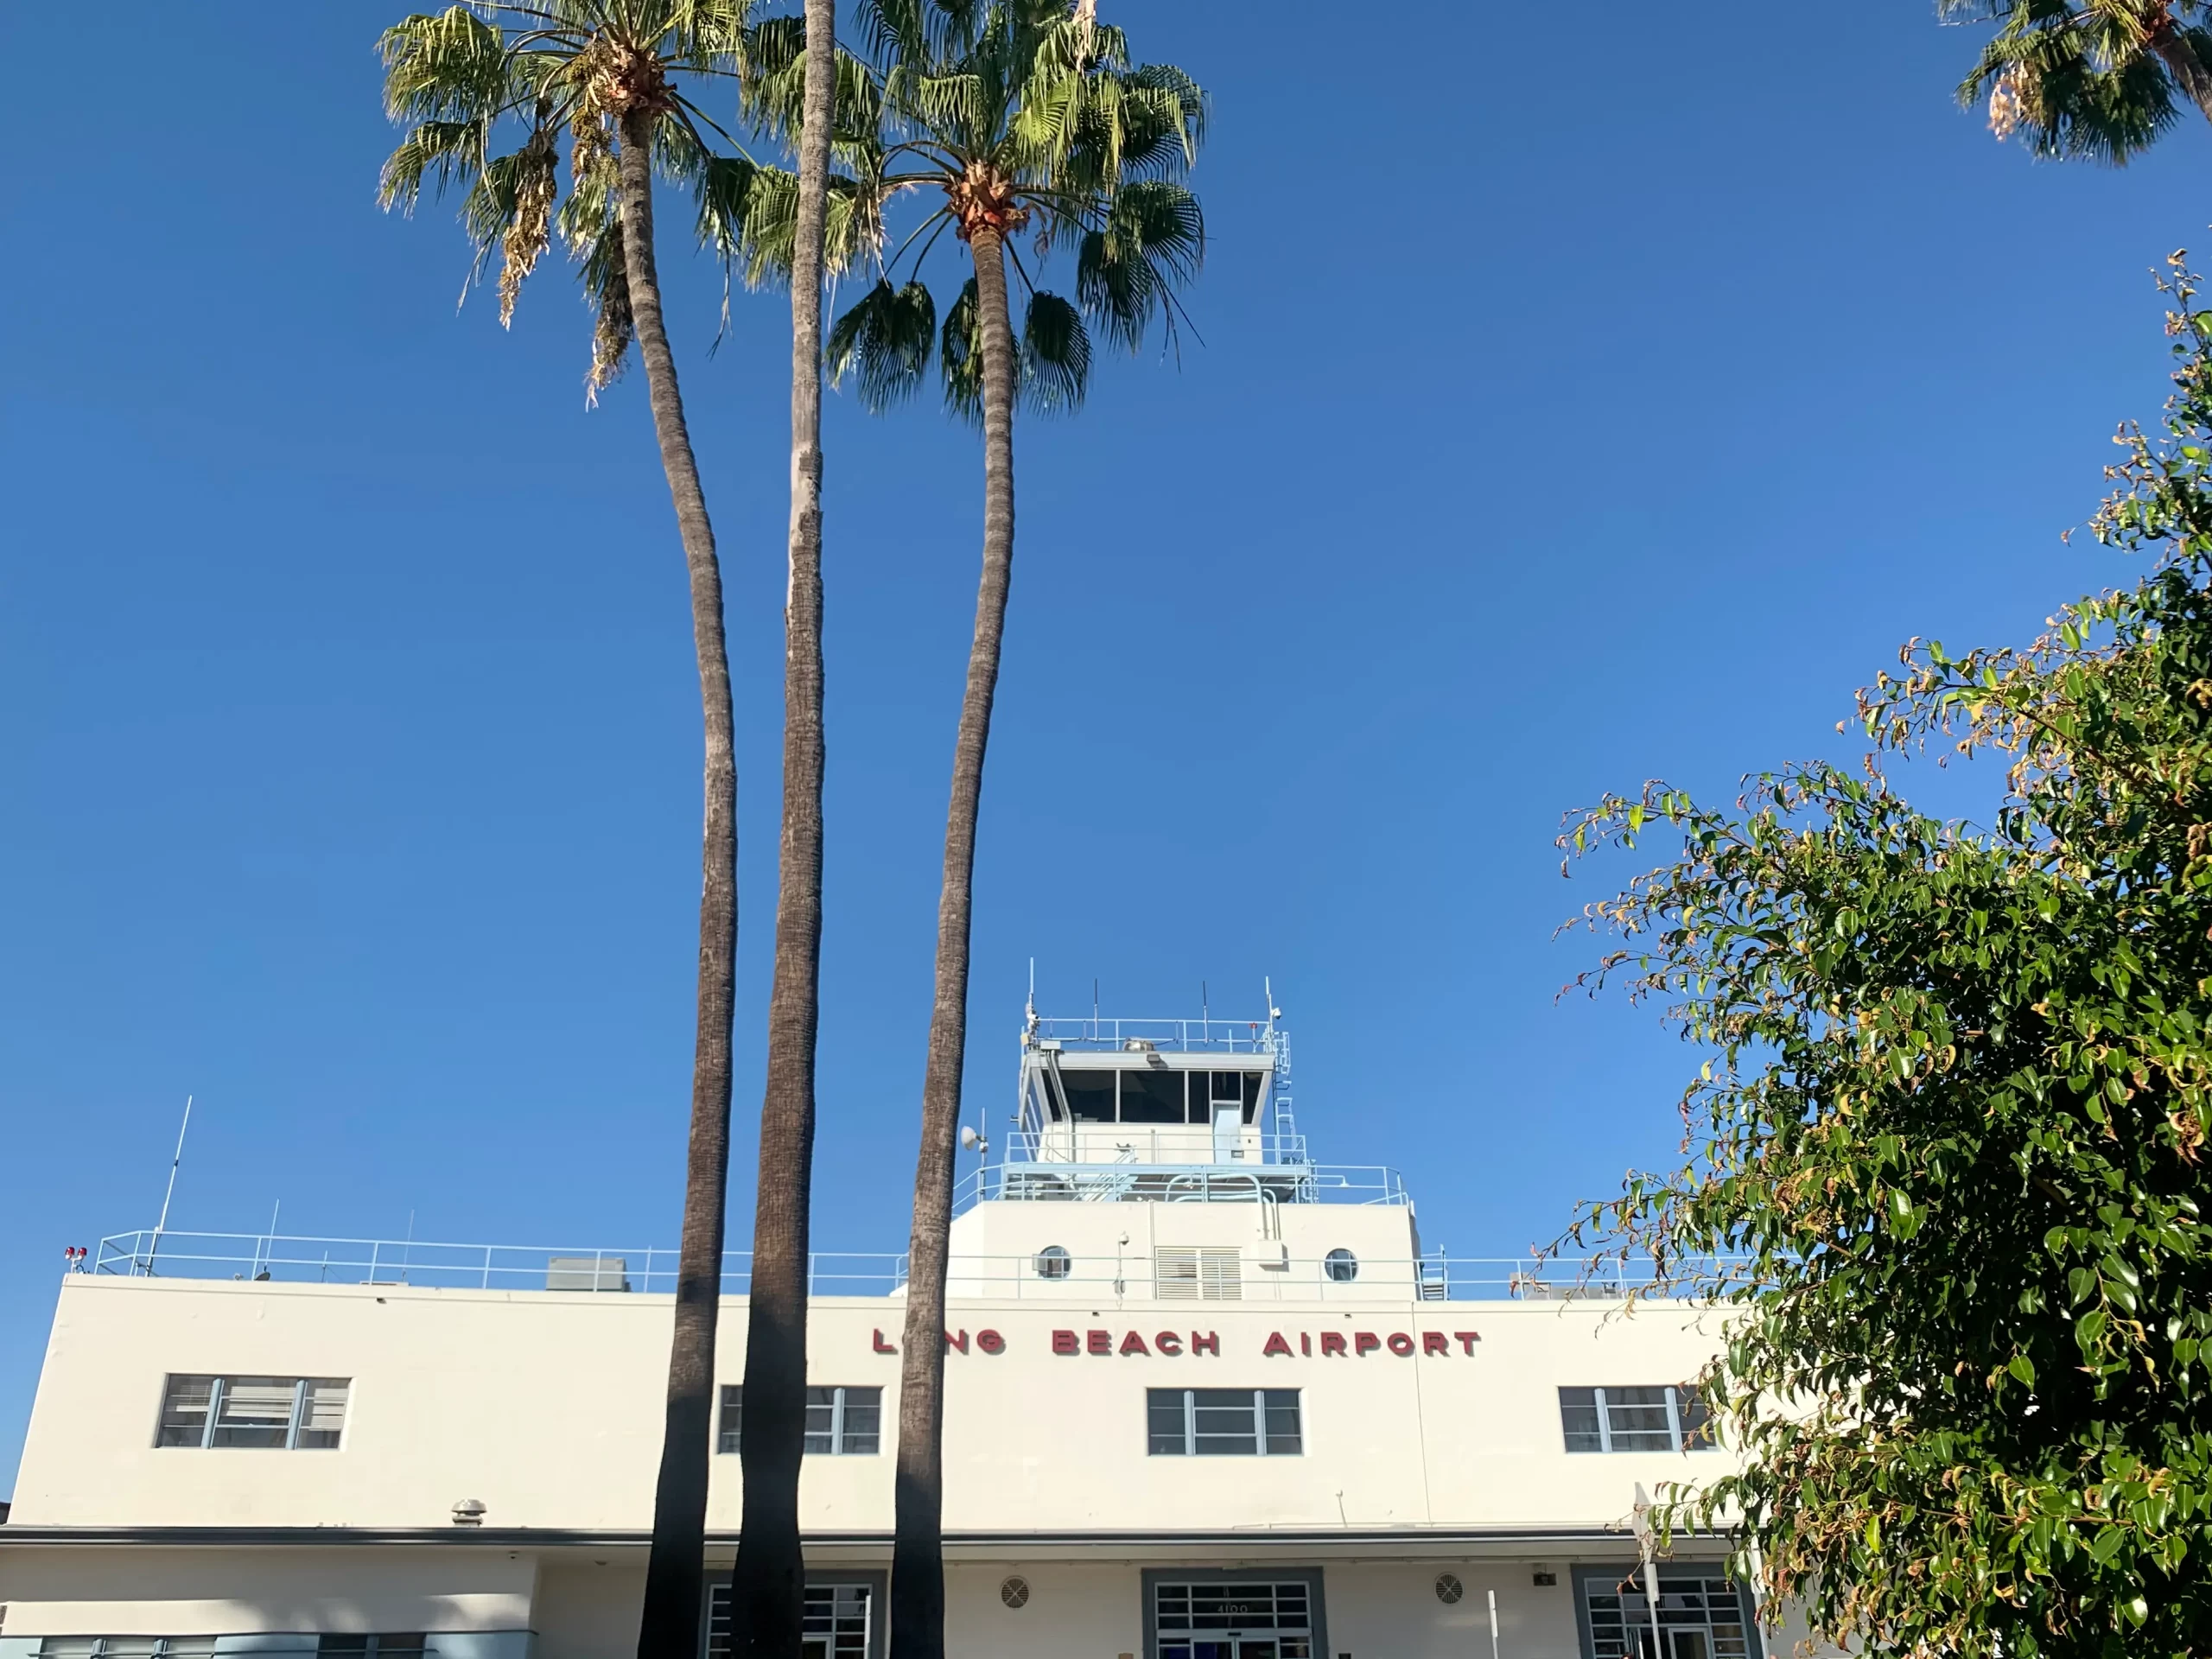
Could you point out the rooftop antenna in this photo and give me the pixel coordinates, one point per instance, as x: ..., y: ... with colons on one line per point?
x: 1029, y: 1008
x: 170, y: 1190
x: 1205, y: 1014
x: 1093, y: 1010
x: 1274, y: 1013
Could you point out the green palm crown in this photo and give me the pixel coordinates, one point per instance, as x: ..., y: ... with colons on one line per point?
x: 1022, y: 117
x: 2099, y: 79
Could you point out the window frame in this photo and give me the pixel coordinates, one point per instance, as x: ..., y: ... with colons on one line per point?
x: 373, y: 1643
x: 212, y: 1424
x: 1264, y: 1401
x: 875, y: 1581
x: 727, y: 1438
x: 1688, y: 1430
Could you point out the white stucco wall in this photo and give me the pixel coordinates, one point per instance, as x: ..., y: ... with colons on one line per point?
x: 546, y: 1407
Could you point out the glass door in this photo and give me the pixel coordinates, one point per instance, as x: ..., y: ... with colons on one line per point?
x: 1253, y: 1620
x: 1700, y: 1617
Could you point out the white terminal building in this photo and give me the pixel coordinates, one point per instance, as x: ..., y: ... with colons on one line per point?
x: 1205, y: 1399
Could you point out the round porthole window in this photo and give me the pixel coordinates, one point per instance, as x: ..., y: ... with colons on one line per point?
x: 1014, y: 1592
x: 1449, y: 1589
x: 1052, y: 1263
x: 1341, y: 1266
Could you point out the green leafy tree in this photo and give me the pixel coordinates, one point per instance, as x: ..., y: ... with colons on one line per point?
x: 1947, y: 1164
x: 2100, y: 78
x: 487, y: 92
x: 1022, y: 117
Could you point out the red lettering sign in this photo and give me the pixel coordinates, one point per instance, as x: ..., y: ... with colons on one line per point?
x: 1168, y: 1343
x: 1208, y: 1343
x: 1066, y: 1342
x: 1435, y: 1342
x: 883, y: 1347
x: 1468, y: 1339
x: 959, y: 1342
x: 1276, y: 1345
x: 1101, y: 1342
x: 990, y: 1342
x: 1401, y: 1344
x: 1134, y: 1343
x: 1305, y: 1342
x: 1333, y: 1342
x: 1365, y: 1342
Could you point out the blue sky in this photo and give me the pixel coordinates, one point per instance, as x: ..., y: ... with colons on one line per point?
x: 1573, y: 409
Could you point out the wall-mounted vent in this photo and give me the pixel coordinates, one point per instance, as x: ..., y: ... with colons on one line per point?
x: 1183, y: 1273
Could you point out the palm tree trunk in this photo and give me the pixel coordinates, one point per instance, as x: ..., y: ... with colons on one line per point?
x: 768, y: 1591
x: 918, y: 1547
x: 669, y: 1625
x: 2191, y: 76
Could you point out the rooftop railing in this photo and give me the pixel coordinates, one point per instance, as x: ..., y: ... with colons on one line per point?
x: 1068, y: 1181
x: 1206, y: 1036
x: 1046, y: 1276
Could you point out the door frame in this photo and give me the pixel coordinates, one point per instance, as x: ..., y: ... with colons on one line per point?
x: 1152, y: 1577
x: 877, y: 1579
x: 1616, y: 1571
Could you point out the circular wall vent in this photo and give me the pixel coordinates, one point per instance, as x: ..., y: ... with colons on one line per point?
x: 1014, y: 1592
x: 1449, y: 1589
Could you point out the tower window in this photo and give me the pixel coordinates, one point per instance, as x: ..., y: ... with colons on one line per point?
x: 1054, y: 1262
x: 1341, y: 1266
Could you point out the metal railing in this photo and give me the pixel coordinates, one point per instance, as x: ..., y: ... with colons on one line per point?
x: 1206, y: 1036
x: 1053, y: 1181
x: 1042, y: 1277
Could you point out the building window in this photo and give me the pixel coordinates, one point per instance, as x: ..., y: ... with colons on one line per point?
x: 1634, y: 1420
x: 126, y: 1647
x: 841, y: 1422
x: 1342, y: 1266
x: 836, y: 1616
x: 1054, y: 1262
x: 1223, y: 1422
x: 1181, y: 1274
x: 1701, y: 1613
x: 296, y: 1413
x: 335, y: 1646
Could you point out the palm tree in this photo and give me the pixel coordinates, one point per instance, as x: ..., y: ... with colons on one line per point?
x: 1022, y: 115
x: 767, y: 1599
x: 2099, y: 79
x: 614, y: 75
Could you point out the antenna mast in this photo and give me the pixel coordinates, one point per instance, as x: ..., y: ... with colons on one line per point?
x: 169, y: 1191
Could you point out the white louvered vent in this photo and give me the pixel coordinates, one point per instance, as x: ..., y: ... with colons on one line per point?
x: 1184, y: 1273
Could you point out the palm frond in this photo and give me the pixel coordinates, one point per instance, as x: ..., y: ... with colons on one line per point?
x: 449, y: 66
x: 1055, y: 356
x: 960, y: 356
x: 1151, y: 242
x: 882, y: 344
x: 442, y: 152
